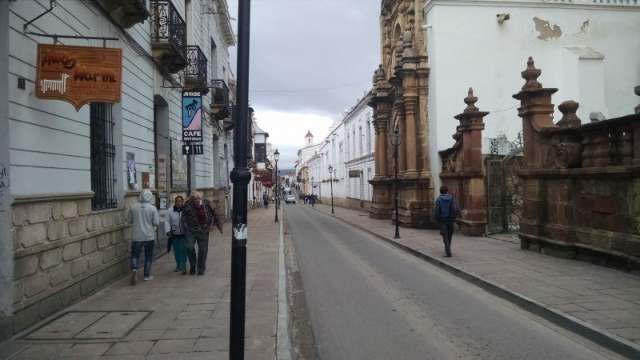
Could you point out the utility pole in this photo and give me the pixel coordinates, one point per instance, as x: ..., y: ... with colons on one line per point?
x: 240, y: 177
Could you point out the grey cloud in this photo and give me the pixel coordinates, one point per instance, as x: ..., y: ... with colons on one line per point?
x: 311, y: 56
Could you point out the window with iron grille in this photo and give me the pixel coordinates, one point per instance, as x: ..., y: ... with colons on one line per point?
x: 103, y: 155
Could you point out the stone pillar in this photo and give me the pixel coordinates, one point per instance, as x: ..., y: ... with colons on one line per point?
x: 536, y: 111
x: 473, y: 219
x: 472, y: 124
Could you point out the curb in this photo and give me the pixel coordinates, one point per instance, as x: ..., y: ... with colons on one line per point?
x: 601, y: 337
x: 283, y: 341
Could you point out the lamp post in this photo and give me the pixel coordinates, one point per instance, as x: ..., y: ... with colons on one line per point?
x: 331, y: 179
x: 240, y: 176
x: 276, y: 156
x: 395, y: 141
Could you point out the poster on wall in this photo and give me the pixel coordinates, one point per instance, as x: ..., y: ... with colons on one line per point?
x: 191, y: 119
x: 79, y: 74
x: 178, y: 166
x: 132, y: 179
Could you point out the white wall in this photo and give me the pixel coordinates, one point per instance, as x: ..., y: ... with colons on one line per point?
x: 467, y: 47
x: 49, y: 140
x: 6, y: 240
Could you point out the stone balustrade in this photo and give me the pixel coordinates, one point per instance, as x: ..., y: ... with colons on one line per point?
x: 581, y: 181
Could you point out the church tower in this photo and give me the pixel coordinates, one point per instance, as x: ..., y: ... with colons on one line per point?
x: 308, y: 139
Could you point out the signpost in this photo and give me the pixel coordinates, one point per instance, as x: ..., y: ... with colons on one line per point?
x: 79, y: 74
x: 191, y: 129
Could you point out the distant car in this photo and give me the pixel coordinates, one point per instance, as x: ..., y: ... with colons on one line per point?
x: 290, y: 199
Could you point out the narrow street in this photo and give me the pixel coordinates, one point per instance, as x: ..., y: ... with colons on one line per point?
x: 368, y: 300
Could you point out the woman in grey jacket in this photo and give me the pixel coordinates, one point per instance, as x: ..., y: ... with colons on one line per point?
x: 144, y: 220
x: 173, y: 229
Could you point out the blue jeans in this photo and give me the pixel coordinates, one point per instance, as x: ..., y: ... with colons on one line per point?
x: 136, y: 250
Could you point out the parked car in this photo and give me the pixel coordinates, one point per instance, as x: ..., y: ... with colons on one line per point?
x: 290, y: 199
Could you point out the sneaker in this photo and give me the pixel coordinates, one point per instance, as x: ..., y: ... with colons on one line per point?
x: 148, y: 278
x: 134, y: 277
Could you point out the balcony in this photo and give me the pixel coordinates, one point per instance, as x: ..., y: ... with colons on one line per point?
x: 126, y: 13
x: 168, y: 36
x: 220, y: 109
x: 195, y: 74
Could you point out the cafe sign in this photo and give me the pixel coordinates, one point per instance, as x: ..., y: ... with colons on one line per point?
x: 79, y: 74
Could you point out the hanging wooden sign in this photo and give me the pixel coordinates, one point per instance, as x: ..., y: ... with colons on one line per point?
x: 79, y: 74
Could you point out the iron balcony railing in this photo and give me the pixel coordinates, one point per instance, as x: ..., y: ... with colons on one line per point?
x: 220, y: 99
x: 168, y: 33
x: 195, y: 74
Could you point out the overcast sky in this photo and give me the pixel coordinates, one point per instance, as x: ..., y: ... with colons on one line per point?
x: 310, y: 61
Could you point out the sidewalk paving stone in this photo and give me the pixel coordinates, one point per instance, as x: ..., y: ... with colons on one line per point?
x: 603, y: 297
x: 176, y: 316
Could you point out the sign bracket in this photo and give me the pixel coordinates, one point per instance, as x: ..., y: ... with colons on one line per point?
x: 55, y: 37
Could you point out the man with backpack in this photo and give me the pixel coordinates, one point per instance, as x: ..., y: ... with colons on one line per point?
x: 445, y: 214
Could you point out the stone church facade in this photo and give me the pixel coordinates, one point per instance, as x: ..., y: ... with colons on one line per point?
x: 399, y: 102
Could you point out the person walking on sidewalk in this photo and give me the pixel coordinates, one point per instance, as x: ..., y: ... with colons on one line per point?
x: 144, y: 219
x: 265, y: 200
x: 197, y: 218
x: 173, y: 229
x: 445, y: 214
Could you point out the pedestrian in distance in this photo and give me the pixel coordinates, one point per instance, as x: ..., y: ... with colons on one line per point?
x: 265, y: 200
x: 197, y: 219
x: 173, y: 229
x: 144, y: 219
x: 445, y: 213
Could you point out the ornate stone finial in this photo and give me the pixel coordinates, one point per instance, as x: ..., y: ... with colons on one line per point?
x: 637, y: 91
x: 531, y: 75
x: 569, y: 117
x: 471, y: 100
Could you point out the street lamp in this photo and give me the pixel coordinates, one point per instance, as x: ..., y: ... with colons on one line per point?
x: 395, y: 141
x: 240, y: 176
x: 331, y: 179
x: 276, y: 156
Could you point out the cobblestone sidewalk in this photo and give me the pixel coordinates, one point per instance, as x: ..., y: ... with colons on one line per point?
x: 172, y: 316
x: 605, y: 298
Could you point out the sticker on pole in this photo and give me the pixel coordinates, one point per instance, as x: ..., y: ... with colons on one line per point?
x: 240, y: 232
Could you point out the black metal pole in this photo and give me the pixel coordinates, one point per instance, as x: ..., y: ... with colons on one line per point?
x: 277, y: 191
x: 331, y: 177
x: 395, y: 189
x: 240, y: 177
x: 188, y: 175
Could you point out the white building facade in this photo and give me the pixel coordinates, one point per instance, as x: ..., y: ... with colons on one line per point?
x: 70, y: 175
x: 349, y: 150
x: 588, y: 49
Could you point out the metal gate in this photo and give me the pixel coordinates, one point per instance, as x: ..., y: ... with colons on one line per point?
x: 498, y: 199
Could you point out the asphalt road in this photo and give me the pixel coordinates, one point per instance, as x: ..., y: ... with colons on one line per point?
x: 368, y: 300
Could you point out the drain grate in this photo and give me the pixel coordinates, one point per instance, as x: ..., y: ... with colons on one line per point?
x: 89, y: 325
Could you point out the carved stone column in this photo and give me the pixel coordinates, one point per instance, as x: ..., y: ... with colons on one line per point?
x: 382, y: 112
x: 410, y: 101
